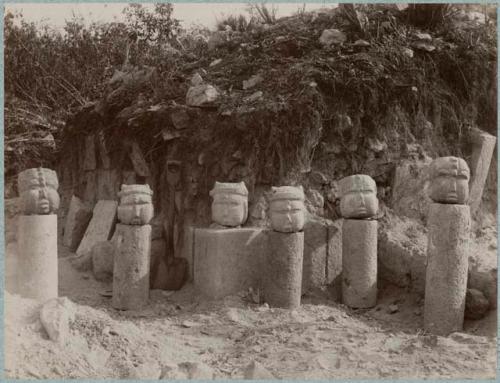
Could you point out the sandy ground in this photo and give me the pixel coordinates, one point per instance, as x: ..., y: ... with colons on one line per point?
x: 321, y: 340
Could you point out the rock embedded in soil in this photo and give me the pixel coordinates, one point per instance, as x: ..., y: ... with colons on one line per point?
x: 255, y: 371
x: 332, y: 37
x: 476, y: 304
x: 56, y: 315
x: 196, y: 370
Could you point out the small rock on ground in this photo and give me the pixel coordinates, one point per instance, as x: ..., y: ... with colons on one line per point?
x: 55, y: 315
x: 255, y: 370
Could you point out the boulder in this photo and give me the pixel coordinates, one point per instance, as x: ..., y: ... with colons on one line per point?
x: 331, y: 37
x: 102, y: 260
x: 56, y: 315
x: 201, y: 95
x: 476, y: 304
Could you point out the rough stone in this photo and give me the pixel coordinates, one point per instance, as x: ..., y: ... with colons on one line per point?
x: 358, y: 196
x: 138, y: 161
x: 131, y: 266
x: 230, y: 204
x: 201, y: 95
x: 37, y: 277
x: 90, y: 191
x: 283, y: 279
x: 476, y: 304
x: 82, y: 262
x: 56, y: 315
x: 334, y: 259
x: 257, y: 371
x: 77, y: 220
x: 103, y: 254
x: 100, y: 226
x: 449, y: 180
x: 359, y: 263
x: 103, y: 151
x: 447, y: 264
x: 315, y: 253
x: 484, y: 146
x: 227, y: 261
x: 315, y: 202
x: 332, y: 37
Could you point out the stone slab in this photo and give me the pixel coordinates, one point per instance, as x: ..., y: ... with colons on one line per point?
x: 228, y: 261
x: 108, y: 184
x: 100, y: 227
x: 77, y: 220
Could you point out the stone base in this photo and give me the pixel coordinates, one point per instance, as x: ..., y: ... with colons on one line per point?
x: 37, y: 275
x: 359, y: 263
x: 227, y: 261
x: 447, y: 264
x: 131, y: 266
x: 283, y: 270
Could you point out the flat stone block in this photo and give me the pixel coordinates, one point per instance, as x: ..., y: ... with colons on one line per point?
x: 37, y: 273
x: 131, y: 266
x: 283, y: 276
x: 315, y: 250
x: 100, y: 226
x: 77, y: 220
x: 447, y: 265
x: 227, y: 261
x: 359, y: 263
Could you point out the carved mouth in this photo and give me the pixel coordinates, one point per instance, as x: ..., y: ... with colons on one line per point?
x: 452, y: 196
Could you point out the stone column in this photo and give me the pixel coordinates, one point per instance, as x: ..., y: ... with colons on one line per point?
x: 37, y: 274
x: 132, y: 239
x: 283, y: 280
x: 359, y: 263
x: 447, y: 264
x: 131, y: 266
x: 359, y: 206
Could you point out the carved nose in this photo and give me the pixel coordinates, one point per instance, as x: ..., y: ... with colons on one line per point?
x: 137, y: 211
x: 361, y: 199
x: 43, y: 193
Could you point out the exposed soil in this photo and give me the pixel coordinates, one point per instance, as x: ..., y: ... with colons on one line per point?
x: 320, y: 340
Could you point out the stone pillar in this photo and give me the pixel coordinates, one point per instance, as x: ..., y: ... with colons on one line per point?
x: 447, y: 264
x: 283, y: 280
x: 359, y: 263
x: 484, y: 146
x: 131, y: 266
x: 37, y: 276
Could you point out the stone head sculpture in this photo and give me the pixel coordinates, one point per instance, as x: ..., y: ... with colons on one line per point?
x: 230, y: 203
x: 286, y: 208
x: 38, y: 191
x: 358, y: 196
x: 449, y: 180
x: 136, y: 206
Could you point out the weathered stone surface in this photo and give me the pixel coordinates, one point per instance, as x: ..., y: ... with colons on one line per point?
x: 484, y: 278
x: 257, y: 371
x: 476, y: 304
x: 447, y: 263
x: 332, y: 37
x: 334, y: 258
x: 90, y: 191
x: 484, y: 146
x: 196, y: 370
x: 315, y: 202
x: 409, y: 189
x: 131, y: 266
x: 129, y: 177
x: 449, y: 180
x: 89, y: 161
x: 100, y: 226
x: 187, y: 250
x: 108, y: 184
x: 37, y: 257
x: 149, y: 370
x: 157, y: 227
x: 77, y: 220
x: 230, y: 204
x: 103, y: 254
x: 103, y: 151
x: 283, y: 276
x: 56, y: 315
x: 359, y: 263
x: 38, y: 191
x: 315, y: 254
x: 358, y: 196
x: 286, y: 209
x: 202, y: 94
x: 136, y: 206
x: 138, y: 162
x: 227, y: 261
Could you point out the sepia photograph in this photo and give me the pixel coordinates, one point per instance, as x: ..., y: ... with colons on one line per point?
x: 262, y: 191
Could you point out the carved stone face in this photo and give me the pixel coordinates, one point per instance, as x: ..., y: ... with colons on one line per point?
x: 136, y: 206
x: 449, y: 180
x: 230, y: 203
x: 287, y: 209
x: 38, y: 191
x: 358, y: 197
